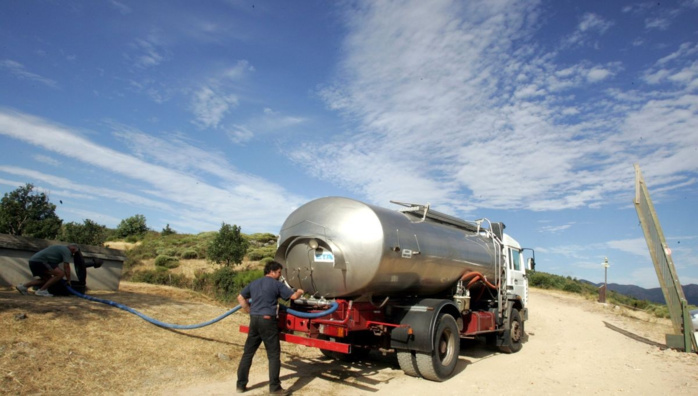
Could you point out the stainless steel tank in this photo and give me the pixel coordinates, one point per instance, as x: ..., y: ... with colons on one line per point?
x: 340, y: 247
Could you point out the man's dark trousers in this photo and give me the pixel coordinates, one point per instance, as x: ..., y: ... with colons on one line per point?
x: 262, y: 329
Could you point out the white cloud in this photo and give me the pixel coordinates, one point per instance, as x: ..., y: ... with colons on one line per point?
x: 239, y: 134
x: 635, y: 246
x: 150, y: 51
x: 174, y: 189
x: 18, y: 70
x: 213, y: 100
x: 597, y: 74
x: 47, y: 160
x: 121, y: 7
x: 555, y: 229
x: 239, y: 71
x: 590, y: 26
x: 210, y: 106
x: 443, y: 113
x: 100, y: 218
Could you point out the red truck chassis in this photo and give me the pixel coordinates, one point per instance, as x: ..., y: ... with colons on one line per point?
x: 351, y: 318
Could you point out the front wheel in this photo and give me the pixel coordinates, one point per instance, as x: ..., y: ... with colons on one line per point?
x: 514, y: 336
x: 441, y: 362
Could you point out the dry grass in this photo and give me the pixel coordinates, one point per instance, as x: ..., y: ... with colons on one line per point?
x: 73, y: 346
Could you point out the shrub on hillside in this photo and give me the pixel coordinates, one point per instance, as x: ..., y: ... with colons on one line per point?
x: 167, y: 251
x: 572, y: 287
x: 266, y: 260
x: 160, y: 276
x: 260, y: 253
x: 262, y: 239
x: 189, y: 254
x: 225, y: 283
x: 166, y: 261
x: 545, y: 281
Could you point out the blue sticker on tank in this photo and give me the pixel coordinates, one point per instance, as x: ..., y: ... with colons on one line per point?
x: 324, y: 257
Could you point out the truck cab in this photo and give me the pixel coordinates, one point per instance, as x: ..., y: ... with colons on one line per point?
x: 516, y: 279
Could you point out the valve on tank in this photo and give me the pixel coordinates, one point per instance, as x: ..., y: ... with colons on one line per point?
x: 462, y: 298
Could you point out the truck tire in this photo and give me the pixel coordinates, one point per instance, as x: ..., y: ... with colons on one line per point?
x: 408, y: 363
x: 514, y: 335
x: 441, y: 362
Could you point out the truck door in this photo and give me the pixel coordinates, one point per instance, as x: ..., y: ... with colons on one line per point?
x: 517, y: 282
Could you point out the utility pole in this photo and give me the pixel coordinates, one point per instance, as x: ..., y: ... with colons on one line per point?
x: 602, y: 292
x: 605, y: 271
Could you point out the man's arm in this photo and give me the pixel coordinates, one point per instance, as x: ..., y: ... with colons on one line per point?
x: 66, y: 269
x: 243, y: 303
x: 297, y: 294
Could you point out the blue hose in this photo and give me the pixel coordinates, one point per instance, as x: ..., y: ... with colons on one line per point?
x: 333, y: 307
x: 148, y: 318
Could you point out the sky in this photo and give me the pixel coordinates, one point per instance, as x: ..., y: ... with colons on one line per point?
x: 531, y: 113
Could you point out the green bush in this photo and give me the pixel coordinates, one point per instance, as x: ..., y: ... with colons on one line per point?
x: 167, y: 231
x: 160, y: 276
x: 261, y: 239
x: 266, y: 260
x: 189, y: 254
x: 541, y: 280
x: 167, y: 251
x: 133, y: 226
x: 225, y: 283
x: 572, y: 287
x: 166, y: 261
x: 257, y: 254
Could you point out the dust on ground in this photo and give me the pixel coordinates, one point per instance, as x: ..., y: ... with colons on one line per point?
x: 70, y: 345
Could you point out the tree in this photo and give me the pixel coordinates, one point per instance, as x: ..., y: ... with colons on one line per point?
x: 25, y: 213
x: 229, y: 246
x: 167, y: 231
x: 132, y: 226
x: 88, y: 233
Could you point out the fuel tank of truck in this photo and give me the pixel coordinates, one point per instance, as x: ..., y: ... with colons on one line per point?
x: 340, y: 247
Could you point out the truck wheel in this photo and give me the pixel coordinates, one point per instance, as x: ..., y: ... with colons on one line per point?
x: 513, y: 343
x: 408, y: 363
x: 440, y: 363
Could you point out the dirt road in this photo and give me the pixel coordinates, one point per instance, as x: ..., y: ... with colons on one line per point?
x: 574, y: 347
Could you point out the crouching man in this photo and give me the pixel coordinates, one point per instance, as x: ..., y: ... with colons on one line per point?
x: 45, y: 265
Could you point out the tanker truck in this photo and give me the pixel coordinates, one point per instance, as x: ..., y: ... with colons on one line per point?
x: 411, y: 281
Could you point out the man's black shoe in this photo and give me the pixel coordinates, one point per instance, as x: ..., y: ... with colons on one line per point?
x: 279, y: 391
x: 241, y: 390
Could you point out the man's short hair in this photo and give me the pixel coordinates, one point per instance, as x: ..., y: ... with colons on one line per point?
x: 272, y: 266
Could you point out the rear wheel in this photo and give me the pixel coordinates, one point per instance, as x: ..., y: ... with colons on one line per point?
x: 408, y: 362
x: 441, y: 362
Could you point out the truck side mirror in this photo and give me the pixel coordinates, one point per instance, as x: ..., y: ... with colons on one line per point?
x: 531, y: 265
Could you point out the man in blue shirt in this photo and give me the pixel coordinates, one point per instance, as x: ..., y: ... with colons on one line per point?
x: 265, y: 293
x: 44, y: 264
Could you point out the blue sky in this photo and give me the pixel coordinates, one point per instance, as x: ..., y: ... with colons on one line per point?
x: 527, y: 112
